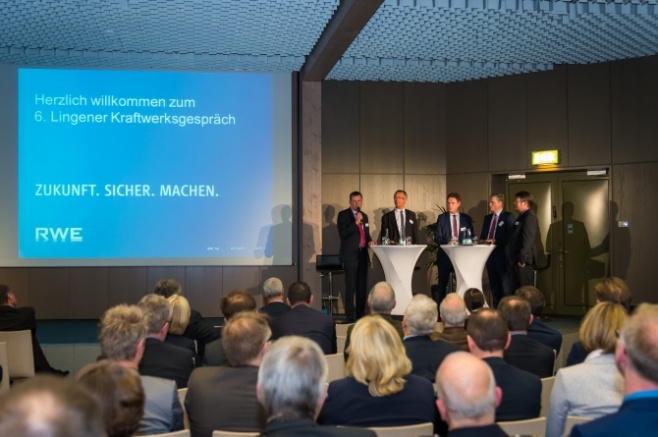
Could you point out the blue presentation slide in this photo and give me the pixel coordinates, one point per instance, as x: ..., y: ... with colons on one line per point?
x: 140, y: 164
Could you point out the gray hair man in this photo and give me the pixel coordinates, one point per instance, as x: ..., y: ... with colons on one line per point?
x: 273, y: 292
x: 453, y: 316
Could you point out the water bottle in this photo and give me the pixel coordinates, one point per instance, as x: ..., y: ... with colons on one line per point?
x: 468, y: 238
x: 386, y: 240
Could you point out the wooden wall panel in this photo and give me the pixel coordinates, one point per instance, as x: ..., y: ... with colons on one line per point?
x: 335, y: 198
x: 382, y: 128
x: 424, y: 193
x: 378, y: 197
x: 547, y: 113
x: 340, y: 127
x: 507, y: 114
x: 18, y: 280
x: 424, y: 129
x: 466, y: 127
x: 246, y: 278
x: 89, y: 292
x: 50, y: 292
x: 126, y: 285
x: 203, y: 287
x: 589, y: 114
x: 634, y: 94
x: 155, y: 274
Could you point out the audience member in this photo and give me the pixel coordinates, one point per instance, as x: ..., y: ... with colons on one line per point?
x: 198, y: 328
x: 539, y: 330
x: 273, y: 295
x: 488, y: 336
x: 161, y: 359
x: 524, y: 352
x: 122, y: 333
x: 245, y: 338
x: 636, y: 356
x: 120, y: 394
x: 291, y: 390
x: 453, y: 315
x: 304, y: 320
x: 380, y: 390
x: 474, y: 300
x: 593, y: 388
x: 178, y: 323
x: 468, y: 396
x: 418, y: 323
x: 52, y: 407
x: 381, y: 300
x: 15, y: 318
x: 234, y: 302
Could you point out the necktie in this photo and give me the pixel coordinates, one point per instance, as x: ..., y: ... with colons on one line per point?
x: 362, y: 236
x: 402, y: 225
x: 492, y: 229
x: 455, y: 227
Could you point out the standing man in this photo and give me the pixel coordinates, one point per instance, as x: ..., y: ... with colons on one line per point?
x: 449, y: 227
x: 522, y: 246
x: 400, y: 223
x: 354, y: 232
x: 495, y: 230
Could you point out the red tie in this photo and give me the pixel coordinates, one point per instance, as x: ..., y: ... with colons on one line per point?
x: 362, y: 240
x: 492, y: 229
x: 455, y: 228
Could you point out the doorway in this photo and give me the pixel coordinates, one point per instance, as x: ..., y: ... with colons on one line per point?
x: 573, y: 249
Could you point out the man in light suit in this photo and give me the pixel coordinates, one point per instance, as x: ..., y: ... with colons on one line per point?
x: 637, y: 359
x: 495, y: 230
x: 450, y: 226
x: 354, y: 231
x: 400, y: 223
x: 522, y: 245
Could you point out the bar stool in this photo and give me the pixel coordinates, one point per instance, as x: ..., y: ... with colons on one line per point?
x: 328, y: 265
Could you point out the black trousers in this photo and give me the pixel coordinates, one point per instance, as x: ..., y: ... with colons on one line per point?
x: 356, y: 277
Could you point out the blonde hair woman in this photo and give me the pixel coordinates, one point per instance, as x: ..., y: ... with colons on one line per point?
x: 593, y: 388
x: 178, y: 323
x: 379, y: 391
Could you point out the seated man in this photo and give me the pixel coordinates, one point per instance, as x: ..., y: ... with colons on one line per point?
x: 291, y: 388
x: 225, y: 397
x: 488, y: 337
x: 304, y: 320
x: 162, y: 359
x: 468, y: 396
x: 524, y: 352
x: 13, y: 318
x: 539, y: 330
x: 453, y: 316
x: 273, y: 296
x: 418, y: 323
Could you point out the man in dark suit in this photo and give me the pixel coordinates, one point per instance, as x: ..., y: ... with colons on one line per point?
x: 354, y: 231
x: 291, y: 408
x: 495, y: 230
x: 522, y: 244
x: 539, y: 330
x: 305, y: 321
x: 636, y: 356
x: 450, y: 228
x: 400, y: 224
x: 245, y: 338
x: 524, y: 352
x: 488, y: 337
x: 162, y: 359
x: 418, y: 323
x: 13, y: 318
x: 273, y: 295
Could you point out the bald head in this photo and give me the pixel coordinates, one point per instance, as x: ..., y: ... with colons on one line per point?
x: 381, y: 299
x: 467, y: 392
x: 453, y: 310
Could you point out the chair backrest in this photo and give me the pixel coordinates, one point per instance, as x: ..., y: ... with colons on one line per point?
x: 421, y: 429
x: 4, y: 381
x: 182, y: 393
x: 181, y: 433
x: 546, y: 389
x: 525, y: 427
x: 20, y: 360
x: 340, y: 343
x: 328, y: 263
x: 336, y: 366
x: 341, y: 329
x: 218, y: 433
x: 575, y: 420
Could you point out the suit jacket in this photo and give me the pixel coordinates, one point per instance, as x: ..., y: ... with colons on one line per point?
x: 636, y: 417
x: 454, y: 335
x: 522, y: 244
x: 185, y: 343
x: 395, y: 323
x: 20, y: 319
x: 443, y: 232
x: 426, y: 355
x: 215, y: 355
x: 349, y: 234
x: 577, y: 354
x: 166, y: 361
x: 505, y: 223
x: 162, y: 409
x: 349, y: 403
x: 591, y: 389
x: 543, y: 333
x: 234, y: 389
x: 200, y: 330
x: 307, y: 322
x: 530, y: 355
x: 492, y: 430
x: 308, y: 428
x: 390, y: 223
x: 274, y: 309
x: 521, y: 391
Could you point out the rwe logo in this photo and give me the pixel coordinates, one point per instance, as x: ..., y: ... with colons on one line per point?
x: 58, y: 235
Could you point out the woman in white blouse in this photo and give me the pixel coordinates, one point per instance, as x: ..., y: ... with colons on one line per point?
x: 593, y: 388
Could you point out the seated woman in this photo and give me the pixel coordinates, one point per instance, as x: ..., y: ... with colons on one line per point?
x: 593, y: 388
x: 180, y: 319
x: 473, y: 299
x: 380, y: 390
